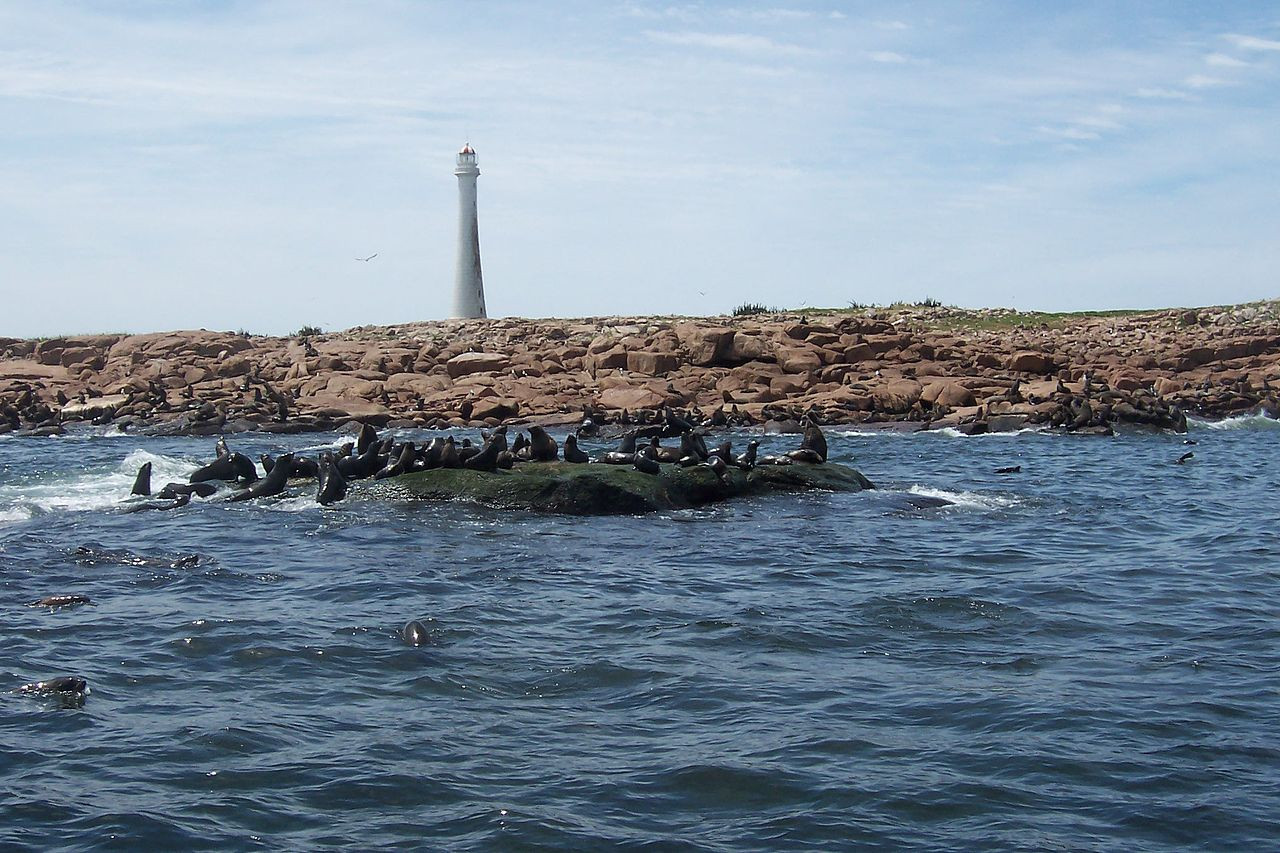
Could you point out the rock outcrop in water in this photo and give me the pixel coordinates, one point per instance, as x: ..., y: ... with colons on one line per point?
x: 973, y: 370
x: 564, y: 487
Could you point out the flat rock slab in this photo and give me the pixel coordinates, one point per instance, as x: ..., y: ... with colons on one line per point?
x: 598, y: 489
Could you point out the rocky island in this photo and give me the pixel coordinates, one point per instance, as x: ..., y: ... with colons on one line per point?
x: 929, y: 366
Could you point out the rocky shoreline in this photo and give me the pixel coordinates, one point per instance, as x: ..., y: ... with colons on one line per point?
x: 929, y: 367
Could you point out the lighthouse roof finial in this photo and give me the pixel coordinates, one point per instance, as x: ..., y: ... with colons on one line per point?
x: 467, y: 149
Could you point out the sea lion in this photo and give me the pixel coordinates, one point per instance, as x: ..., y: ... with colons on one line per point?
x: 813, y: 446
x: 691, y: 445
x: 63, y: 684
x: 644, y: 461
x: 142, y: 483
x: 716, y: 463
x: 724, y: 451
x: 273, y: 484
x: 1184, y: 458
x: 542, y: 447
x: 65, y: 600
x: 331, y: 485
x: 499, y: 435
x: 173, y: 490
x: 233, y: 467
x: 505, y: 461
x: 365, y: 438
x: 220, y: 449
x: 487, y: 457
x: 614, y: 457
x: 572, y: 453
x: 774, y: 460
x: 628, y: 443
x: 415, y: 634
x: 520, y: 446
x: 747, y: 460
x: 449, y: 454
x: 402, y: 465
x: 178, y: 502
x: 664, y: 454
x: 1010, y: 469
x: 431, y: 456
x: 364, y: 465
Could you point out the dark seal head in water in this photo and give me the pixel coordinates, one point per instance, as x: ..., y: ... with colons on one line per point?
x: 415, y: 634
x: 63, y: 684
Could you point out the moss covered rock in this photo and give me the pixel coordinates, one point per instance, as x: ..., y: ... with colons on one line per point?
x: 597, y: 489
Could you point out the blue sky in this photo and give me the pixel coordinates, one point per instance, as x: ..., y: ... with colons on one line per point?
x: 221, y: 164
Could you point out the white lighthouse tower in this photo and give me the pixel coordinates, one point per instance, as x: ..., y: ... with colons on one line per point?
x: 468, y: 286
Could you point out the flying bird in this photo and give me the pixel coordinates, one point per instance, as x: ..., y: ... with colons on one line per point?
x: 371, y: 257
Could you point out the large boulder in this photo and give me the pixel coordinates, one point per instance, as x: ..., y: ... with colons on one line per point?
x: 476, y: 362
x: 1028, y: 361
x: 706, y: 345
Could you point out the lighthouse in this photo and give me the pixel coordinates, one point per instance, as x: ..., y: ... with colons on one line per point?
x: 468, y: 285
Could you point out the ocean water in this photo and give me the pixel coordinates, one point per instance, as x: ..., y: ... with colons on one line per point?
x: 1082, y: 656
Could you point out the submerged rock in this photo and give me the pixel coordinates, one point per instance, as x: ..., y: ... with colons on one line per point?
x: 563, y: 487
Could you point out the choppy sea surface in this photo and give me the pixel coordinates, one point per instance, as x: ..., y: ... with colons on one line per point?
x: 1081, y: 656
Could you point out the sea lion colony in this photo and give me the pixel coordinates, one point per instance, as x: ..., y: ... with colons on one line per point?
x: 372, y: 457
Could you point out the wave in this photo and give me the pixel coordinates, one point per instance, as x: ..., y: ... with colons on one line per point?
x: 1248, y: 422
x: 966, y: 500
x: 949, y: 432
x: 88, y: 490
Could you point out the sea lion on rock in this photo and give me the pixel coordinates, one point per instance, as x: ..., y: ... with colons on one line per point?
x: 142, y: 483
x: 173, y: 490
x: 716, y: 463
x: 231, y: 468
x: 449, y: 454
x: 273, y: 484
x: 614, y: 457
x: 487, y: 457
x: 520, y: 446
x: 402, y: 465
x: 644, y: 462
x: 747, y: 460
x: 573, y: 453
x: 505, y: 461
x: 664, y: 454
x: 542, y: 447
x: 331, y: 485
x: 813, y: 446
x: 367, y: 437
x: 364, y: 465
x: 220, y: 449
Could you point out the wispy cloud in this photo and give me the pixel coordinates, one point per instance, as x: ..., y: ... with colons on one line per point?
x: 887, y: 57
x: 1252, y: 42
x: 744, y: 43
x: 1204, y: 81
x: 1222, y: 60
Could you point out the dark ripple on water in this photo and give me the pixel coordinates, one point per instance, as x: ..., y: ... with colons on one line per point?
x: 1085, y: 656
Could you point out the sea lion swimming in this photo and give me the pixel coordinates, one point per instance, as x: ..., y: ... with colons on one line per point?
x: 65, y: 600
x: 1184, y: 458
x: 1010, y: 469
x: 72, y: 685
x: 415, y: 634
x: 273, y: 484
x: 142, y: 483
x: 176, y: 503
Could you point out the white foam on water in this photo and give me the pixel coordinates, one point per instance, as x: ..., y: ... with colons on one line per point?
x: 1257, y: 421
x: 949, y: 432
x: 15, y: 514
x: 966, y: 500
x: 90, y: 490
